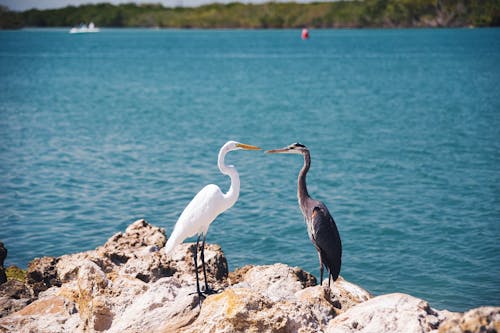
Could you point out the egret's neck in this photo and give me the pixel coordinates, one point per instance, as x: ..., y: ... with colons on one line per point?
x: 234, y: 190
x: 302, y: 193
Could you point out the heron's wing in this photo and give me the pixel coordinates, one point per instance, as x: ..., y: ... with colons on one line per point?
x: 327, y: 239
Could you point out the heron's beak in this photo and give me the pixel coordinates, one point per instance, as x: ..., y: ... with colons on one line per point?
x: 247, y: 147
x: 278, y: 151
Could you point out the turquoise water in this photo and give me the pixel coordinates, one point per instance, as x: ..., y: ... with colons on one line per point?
x: 99, y: 130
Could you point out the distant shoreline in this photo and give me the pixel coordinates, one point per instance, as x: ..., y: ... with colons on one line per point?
x: 272, y: 15
x: 67, y: 28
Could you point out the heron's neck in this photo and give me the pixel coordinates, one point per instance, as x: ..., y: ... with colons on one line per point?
x: 302, y: 193
x: 234, y: 190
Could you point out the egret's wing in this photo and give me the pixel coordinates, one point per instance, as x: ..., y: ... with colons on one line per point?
x: 327, y: 239
x: 202, y: 210
x: 197, y: 215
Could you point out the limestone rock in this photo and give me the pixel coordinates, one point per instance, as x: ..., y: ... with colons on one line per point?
x: 388, y: 313
x: 165, y: 306
x: 130, y: 285
x: 42, y: 274
x: 50, y: 314
x: 277, y: 282
x: 9, y: 305
x: 89, y: 295
x: 242, y: 309
x: 15, y: 289
x: 320, y: 301
x: 272, y: 298
x: 14, y: 295
x: 182, y: 263
x: 347, y: 294
x: 126, y: 285
x: 238, y: 310
x: 68, y: 265
x: 139, y: 237
x: 483, y: 319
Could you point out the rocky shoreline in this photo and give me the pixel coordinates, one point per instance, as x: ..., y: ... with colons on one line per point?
x: 128, y: 285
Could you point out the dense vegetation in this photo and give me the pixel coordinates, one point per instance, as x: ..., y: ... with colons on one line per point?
x: 367, y: 13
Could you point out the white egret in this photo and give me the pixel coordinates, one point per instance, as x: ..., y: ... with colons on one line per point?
x: 205, y: 207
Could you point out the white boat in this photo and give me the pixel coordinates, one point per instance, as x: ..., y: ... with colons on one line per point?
x: 83, y: 28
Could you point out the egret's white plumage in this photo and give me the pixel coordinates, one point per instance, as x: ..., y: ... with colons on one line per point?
x: 207, y: 205
x: 197, y: 216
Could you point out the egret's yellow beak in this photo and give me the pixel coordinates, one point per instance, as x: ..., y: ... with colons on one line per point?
x: 247, y: 147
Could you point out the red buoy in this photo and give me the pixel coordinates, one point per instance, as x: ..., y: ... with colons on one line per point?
x: 305, y: 33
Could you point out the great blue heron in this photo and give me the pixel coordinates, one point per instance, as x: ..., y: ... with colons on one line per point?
x: 321, y: 227
x: 204, y: 208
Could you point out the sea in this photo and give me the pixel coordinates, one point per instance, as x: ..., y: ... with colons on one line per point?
x: 98, y: 130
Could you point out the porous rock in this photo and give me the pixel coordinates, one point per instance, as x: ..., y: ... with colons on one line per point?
x: 271, y: 298
x: 165, y: 306
x: 14, y: 295
x: 277, y: 282
x: 115, y: 287
x: 42, y: 274
x: 483, y: 319
x: 346, y: 294
x: 48, y: 314
x: 139, y: 238
x: 130, y: 285
x: 387, y: 314
x: 238, y: 310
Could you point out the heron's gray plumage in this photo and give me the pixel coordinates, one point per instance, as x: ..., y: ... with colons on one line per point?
x: 321, y: 226
x: 327, y: 240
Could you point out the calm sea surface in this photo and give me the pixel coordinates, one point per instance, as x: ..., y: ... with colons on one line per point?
x: 99, y: 130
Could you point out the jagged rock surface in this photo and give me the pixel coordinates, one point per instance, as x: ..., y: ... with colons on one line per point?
x: 272, y: 298
x: 42, y: 274
x: 129, y: 285
x: 126, y: 285
x: 483, y: 319
x: 388, y: 313
x: 14, y: 295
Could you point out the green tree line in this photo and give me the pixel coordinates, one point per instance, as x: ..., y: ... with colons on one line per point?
x: 337, y: 14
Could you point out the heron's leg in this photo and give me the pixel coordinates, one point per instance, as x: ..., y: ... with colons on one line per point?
x: 321, y: 274
x: 320, y: 269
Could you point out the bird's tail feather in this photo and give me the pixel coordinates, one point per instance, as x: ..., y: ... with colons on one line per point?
x: 171, y: 245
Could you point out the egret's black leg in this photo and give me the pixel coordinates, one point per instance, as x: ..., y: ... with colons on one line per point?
x: 203, y: 262
x: 207, y: 289
x: 195, y: 255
